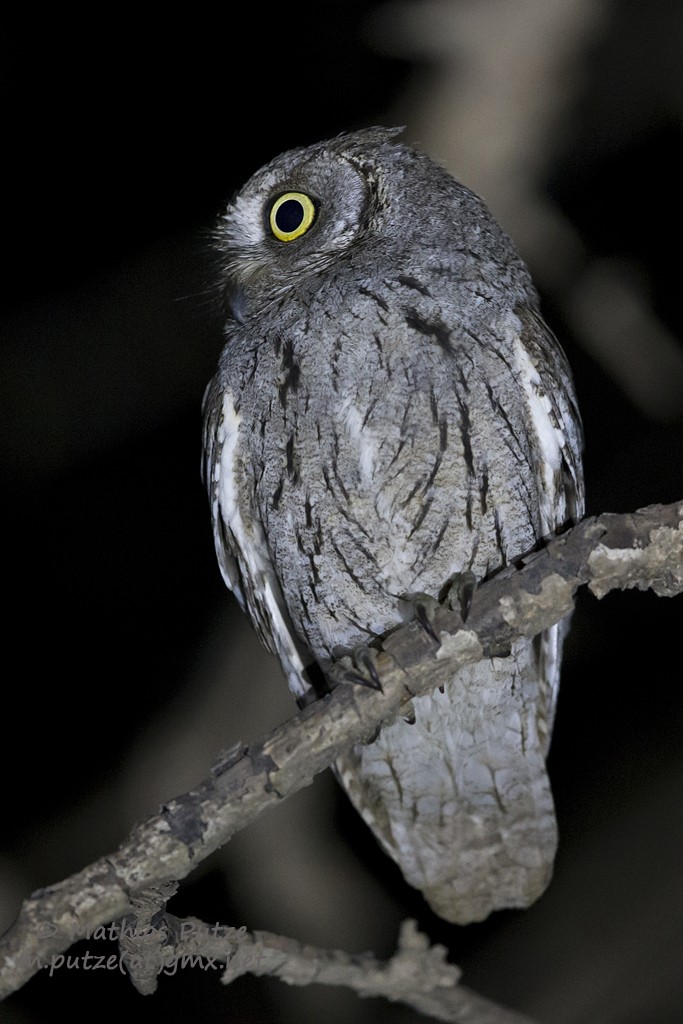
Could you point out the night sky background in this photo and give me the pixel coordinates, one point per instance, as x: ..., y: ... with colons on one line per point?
x: 128, y: 665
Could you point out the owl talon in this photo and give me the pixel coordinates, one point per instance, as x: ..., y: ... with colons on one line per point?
x: 356, y: 667
x: 424, y: 608
x: 364, y: 658
x: 459, y: 592
x: 359, y: 680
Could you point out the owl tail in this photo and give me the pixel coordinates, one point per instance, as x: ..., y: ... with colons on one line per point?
x: 460, y: 799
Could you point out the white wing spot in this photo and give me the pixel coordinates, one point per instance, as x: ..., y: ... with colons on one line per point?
x: 550, y: 438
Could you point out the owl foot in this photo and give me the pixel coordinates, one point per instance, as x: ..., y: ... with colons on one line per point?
x: 458, y: 593
x: 358, y: 667
x: 424, y: 609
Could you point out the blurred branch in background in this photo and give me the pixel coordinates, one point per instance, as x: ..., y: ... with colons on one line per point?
x: 494, y: 105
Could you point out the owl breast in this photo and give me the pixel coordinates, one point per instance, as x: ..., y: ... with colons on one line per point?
x: 383, y: 453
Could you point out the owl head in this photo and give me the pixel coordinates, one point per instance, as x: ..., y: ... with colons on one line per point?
x: 356, y: 202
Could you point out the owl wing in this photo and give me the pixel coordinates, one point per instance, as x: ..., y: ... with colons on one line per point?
x: 554, y: 415
x: 224, y: 540
x: 241, y: 545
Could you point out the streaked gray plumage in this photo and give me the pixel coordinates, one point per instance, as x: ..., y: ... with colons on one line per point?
x: 389, y: 410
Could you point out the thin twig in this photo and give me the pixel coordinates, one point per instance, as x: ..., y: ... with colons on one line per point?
x: 417, y: 975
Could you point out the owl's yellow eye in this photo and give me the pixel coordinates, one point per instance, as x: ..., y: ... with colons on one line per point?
x: 291, y: 216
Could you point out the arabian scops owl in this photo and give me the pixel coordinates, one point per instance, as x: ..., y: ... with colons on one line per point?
x: 391, y: 411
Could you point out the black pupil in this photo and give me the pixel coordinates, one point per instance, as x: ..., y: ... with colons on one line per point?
x: 289, y: 215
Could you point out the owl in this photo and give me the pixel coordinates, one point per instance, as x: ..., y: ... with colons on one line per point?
x: 390, y: 412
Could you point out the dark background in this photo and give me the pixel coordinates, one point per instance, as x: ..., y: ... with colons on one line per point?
x: 127, y: 663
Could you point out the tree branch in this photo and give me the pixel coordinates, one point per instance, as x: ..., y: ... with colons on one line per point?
x: 643, y: 549
x: 417, y: 975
